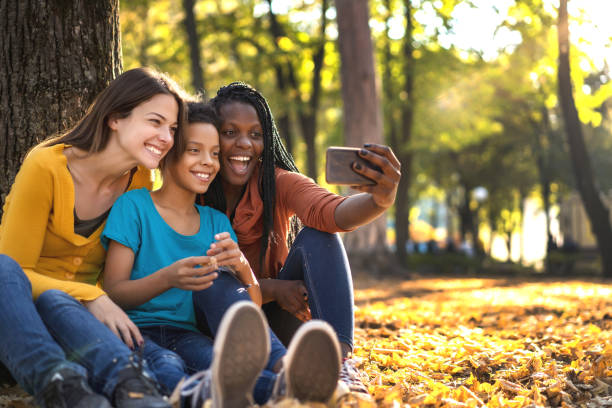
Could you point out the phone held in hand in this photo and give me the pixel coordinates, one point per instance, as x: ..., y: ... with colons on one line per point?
x: 339, y: 167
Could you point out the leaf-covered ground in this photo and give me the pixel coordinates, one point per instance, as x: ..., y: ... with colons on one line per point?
x: 450, y: 342
x: 486, y: 342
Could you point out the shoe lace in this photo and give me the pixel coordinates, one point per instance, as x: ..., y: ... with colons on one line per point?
x: 197, y: 387
x: 280, y: 386
x: 135, y: 380
x: 353, y: 377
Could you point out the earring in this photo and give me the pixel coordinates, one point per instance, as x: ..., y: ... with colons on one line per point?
x: 260, y: 159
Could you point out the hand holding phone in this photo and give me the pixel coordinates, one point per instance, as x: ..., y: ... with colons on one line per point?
x: 339, y: 167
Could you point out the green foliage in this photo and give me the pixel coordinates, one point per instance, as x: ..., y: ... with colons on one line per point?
x: 477, y: 122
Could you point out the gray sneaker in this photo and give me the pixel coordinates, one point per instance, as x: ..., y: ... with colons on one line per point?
x: 352, y: 380
x: 240, y: 352
x: 68, y: 389
x: 311, y: 365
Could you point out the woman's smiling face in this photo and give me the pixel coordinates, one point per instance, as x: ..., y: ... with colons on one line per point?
x: 242, y: 142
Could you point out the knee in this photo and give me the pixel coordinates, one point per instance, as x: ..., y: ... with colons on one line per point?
x: 51, y: 299
x: 11, y: 272
x: 165, y: 361
x: 309, y: 236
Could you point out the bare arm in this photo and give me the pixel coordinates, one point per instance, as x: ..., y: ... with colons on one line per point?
x: 373, y: 200
x: 227, y: 253
x: 184, y: 274
x: 290, y: 295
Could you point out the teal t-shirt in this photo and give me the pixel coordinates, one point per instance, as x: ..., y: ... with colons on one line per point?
x: 135, y: 223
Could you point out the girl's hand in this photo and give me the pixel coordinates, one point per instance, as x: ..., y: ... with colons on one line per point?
x: 194, y: 273
x: 292, y: 296
x: 106, y: 311
x: 387, y: 180
x: 227, y: 253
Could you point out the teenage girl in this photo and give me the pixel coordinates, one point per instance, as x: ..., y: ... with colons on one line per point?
x: 166, y: 255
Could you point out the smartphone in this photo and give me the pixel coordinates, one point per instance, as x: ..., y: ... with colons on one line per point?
x: 339, y: 167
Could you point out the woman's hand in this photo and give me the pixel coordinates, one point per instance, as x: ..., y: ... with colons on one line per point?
x: 387, y: 180
x: 194, y: 273
x: 106, y: 311
x: 292, y: 296
x: 227, y: 253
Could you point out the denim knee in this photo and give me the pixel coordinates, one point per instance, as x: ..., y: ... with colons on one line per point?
x: 11, y: 272
x: 51, y: 299
x: 321, y: 237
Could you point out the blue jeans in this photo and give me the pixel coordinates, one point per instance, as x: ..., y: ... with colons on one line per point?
x: 319, y: 259
x: 85, y: 340
x: 173, y: 352
x: 26, y: 346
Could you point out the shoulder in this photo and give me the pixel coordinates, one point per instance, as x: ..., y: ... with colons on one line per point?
x: 46, y: 156
x: 206, y: 211
x: 133, y: 197
x: 287, y: 179
x: 43, y: 166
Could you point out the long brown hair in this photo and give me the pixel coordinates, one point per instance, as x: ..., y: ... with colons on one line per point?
x: 122, y: 95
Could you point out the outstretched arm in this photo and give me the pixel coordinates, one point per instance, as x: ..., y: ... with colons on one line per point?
x: 362, y: 208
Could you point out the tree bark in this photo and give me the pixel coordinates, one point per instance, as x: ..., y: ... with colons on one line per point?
x: 404, y: 154
x: 193, y: 39
x: 361, y: 107
x: 402, y: 224
x: 543, y: 166
x: 55, y: 57
x: 309, y: 117
x: 597, y: 212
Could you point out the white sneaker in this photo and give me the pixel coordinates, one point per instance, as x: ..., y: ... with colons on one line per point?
x: 240, y: 352
x: 352, y: 381
x: 311, y: 365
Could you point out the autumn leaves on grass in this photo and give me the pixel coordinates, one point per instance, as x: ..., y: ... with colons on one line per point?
x: 494, y: 343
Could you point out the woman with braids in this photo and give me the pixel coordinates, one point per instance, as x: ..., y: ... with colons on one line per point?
x: 302, y: 275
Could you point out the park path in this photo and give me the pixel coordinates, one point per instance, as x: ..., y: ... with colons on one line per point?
x: 473, y: 342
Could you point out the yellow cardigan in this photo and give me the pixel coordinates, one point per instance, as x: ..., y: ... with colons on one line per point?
x: 37, y: 228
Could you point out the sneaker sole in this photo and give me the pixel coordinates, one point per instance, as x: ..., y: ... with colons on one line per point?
x: 312, y: 363
x: 241, y: 351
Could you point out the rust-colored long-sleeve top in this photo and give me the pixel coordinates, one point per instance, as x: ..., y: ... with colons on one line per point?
x: 296, y: 194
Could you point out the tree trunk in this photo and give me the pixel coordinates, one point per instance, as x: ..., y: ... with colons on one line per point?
x: 402, y: 149
x: 193, y: 39
x: 361, y: 108
x: 523, y: 199
x: 309, y: 118
x: 597, y: 212
x: 402, y: 222
x: 306, y: 109
x: 466, y: 217
x: 56, y: 56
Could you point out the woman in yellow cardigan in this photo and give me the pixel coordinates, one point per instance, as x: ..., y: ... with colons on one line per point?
x: 50, y: 241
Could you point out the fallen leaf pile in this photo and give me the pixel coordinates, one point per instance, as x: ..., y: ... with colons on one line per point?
x: 485, y: 342
x: 480, y: 342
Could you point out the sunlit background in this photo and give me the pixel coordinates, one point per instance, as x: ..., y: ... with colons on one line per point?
x: 485, y: 95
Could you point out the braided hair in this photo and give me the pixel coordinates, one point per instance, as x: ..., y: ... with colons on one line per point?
x: 274, y: 155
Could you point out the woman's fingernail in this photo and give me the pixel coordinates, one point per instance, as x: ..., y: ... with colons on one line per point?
x: 358, y: 166
x: 367, y: 144
x: 363, y: 152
